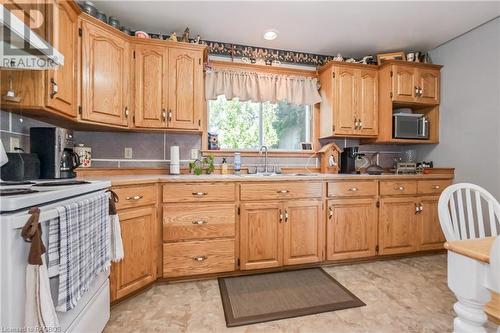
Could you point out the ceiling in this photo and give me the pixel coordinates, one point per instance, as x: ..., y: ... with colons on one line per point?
x: 352, y: 28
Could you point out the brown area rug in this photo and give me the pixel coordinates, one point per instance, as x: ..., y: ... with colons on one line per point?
x: 264, y: 297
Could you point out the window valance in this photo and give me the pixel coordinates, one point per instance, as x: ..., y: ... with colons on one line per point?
x: 261, y: 87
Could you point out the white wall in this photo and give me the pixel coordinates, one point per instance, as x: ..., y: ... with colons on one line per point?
x: 470, y: 107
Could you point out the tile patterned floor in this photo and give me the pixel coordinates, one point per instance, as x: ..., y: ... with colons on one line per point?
x: 405, y: 295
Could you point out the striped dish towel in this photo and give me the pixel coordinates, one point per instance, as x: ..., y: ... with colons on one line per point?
x: 79, y: 247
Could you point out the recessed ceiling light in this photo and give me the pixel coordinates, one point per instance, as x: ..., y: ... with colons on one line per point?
x: 270, y: 34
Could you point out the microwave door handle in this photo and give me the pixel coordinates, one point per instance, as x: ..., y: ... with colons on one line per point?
x: 423, y: 127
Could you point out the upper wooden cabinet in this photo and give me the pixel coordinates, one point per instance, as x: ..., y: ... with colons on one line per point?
x: 350, y: 100
x: 105, y: 64
x: 52, y: 91
x: 414, y: 84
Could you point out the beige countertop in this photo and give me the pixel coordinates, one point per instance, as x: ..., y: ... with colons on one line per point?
x: 155, y: 178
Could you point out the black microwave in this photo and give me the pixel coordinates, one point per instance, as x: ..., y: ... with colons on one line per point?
x: 410, y: 126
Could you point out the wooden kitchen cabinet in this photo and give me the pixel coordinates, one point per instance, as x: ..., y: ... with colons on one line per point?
x: 415, y: 85
x: 138, y: 267
x: 430, y: 235
x: 53, y: 91
x: 261, y: 235
x: 151, y: 86
x: 350, y: 100
x: 397, y: 225
x: 351, y: 228
x: 303, y: 232
x: 185, y: 89
x: 105, y: 68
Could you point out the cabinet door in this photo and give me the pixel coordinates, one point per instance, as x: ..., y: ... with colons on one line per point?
x: 403, y: 84
x: 351, y: 229
x: 430, y: 235
x: 61, y: 83
x: 367, y: 102
x: 345, y: 100
x: 151, y: 82
x: 397, y: 225
x: 261, y: 235
x: 303, y: 232
x: 185, y: 88
x: 105, y: 76
x: 428, y: 83
x: 138, y: 267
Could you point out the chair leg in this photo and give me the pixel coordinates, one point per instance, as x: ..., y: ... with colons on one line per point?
x: 470, y: 316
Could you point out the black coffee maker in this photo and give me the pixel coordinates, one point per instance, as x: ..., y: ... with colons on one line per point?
x: 348, y: 160
x: 54, y: 147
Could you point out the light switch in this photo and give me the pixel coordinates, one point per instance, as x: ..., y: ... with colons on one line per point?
x: 128, y: 152
x: 14, y: 143
x: 194, y: 153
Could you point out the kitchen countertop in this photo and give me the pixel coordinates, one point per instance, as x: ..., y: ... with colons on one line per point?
x: 155, y: 178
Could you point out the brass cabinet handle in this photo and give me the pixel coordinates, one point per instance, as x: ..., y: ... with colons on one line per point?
x: 353, y: 189
x: 436, y: 187
x: 54, y: 89
x: 416, y: 208
x: 199, y: 258
x: 134, y: 197
x: 416, y: 91
x: 281, y: 216
x: 169, y: 115
x: 164, y: 115
x: 282, y: 191
x: 199, y: 194
x: 126, y: 112
x: 399, y: 188
x: 360, y: 124
x: 199, y: 222
x: 356, y: 125
x: 420, y: 91
x: 421, y: 207
x: 286, y: 216
x: 330, y: 212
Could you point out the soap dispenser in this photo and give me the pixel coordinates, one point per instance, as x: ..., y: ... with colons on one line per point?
x: 224, y: 167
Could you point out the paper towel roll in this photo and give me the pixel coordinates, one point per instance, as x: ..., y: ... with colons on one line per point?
x: 174, y: 160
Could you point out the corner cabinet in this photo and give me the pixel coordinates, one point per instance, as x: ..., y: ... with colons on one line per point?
x: 105, y: 81
x: 415, y: 84
x: 350, y: 100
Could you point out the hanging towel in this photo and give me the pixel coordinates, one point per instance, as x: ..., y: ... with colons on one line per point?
x: 40, y: 314
x: 116, y: 232
x: 80, y: 247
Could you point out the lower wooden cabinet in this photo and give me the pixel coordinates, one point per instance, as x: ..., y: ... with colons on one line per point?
x: 397, y: 225
x: 138, y: 267
x: 430, y: 236
x: 273, y: 234
x: 351, y: 228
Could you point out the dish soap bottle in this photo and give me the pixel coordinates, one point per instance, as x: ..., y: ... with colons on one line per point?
x: 223, y: 167
x: 237, y: 163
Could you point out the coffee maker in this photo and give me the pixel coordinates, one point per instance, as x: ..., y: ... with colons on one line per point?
x: 54, y: 147
x: 348, y: 160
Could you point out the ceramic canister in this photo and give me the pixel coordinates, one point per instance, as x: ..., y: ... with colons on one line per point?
x: 85, y: 154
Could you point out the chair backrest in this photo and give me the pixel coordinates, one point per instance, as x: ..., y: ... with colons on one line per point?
x: 468, y: 211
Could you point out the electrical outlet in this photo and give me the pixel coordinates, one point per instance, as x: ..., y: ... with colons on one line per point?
x: 128, y: 152
x: 194, y: 154
x: 14, y: 143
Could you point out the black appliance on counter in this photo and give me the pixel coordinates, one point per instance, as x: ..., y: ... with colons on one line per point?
x: 21, y: 167
x: 348, y: 160
x: 54, y: 147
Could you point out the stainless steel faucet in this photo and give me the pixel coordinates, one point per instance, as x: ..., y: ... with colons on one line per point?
x: 264, y: 150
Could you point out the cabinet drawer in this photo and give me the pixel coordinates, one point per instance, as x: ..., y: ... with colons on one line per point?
x: 280, y: 190
x: 134, y: 196
x: 395, y: 187
x: 194, y: 221
x: 198, y: 257
x: 198, y: 192
x: 432, y: 186
x: 352, y: 189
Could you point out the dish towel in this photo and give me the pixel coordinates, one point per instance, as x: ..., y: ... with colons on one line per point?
x: 40, y: 314
x: 79, y: 247
x: 116, y: 232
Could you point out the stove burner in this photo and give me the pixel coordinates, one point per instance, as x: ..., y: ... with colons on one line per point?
x: 63, y: 183
x: 16, y: 191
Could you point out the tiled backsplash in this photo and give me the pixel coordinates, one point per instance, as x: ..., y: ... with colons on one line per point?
x: 152, y: 149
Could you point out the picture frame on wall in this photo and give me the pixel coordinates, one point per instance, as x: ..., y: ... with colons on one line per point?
x: 390, y: 56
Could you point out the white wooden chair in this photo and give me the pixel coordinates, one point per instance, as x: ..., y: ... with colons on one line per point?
x: 468, y: 211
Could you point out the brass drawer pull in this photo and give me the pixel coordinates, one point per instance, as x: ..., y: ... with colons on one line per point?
x: 286, y: 216
x: 199, y: 258
x: 199, y: 222
x: 436, y: 187
x: 199, y: 194
x: 353, y: 189
x: 134, y: 197
x: 399, y: 188
x: 283, y: 191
